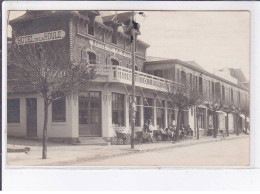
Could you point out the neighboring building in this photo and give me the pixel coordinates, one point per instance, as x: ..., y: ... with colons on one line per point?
x: 100, y: 39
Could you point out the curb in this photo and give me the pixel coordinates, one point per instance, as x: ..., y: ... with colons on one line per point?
x: 129, y: 152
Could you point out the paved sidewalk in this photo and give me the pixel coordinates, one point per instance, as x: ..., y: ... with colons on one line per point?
x: 65, y: 155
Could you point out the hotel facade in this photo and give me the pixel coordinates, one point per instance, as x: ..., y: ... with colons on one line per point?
x: 103, y: 40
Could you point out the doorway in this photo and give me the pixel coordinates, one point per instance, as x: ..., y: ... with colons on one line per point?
x: 90, y: 114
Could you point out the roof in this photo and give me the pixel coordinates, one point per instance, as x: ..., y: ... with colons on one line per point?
x: 238, y: 74
x: 32, y: 14
x: 150, y: 58
x: 109, y: 18
x: 194, y: 64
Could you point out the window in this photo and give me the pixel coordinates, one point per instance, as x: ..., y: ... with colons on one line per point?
x: 137, y: 110
x: 213, y: 90
x: 223, y: 93
x: 114, y: 62
x: 200, y: 118
x: 183, y: 77
x: 59, y: 110
x: 158, y: 73
x: 148, y: 109
x: 118, y: 112
x: 170, y: 114
x: 160, y: 104
x: 210, y: 121
x: 13, y: 111
x: 92, y: 58
x: 232, y: 97
x: 200, y: 86
x: 191, y: 81
x: 90, y: 108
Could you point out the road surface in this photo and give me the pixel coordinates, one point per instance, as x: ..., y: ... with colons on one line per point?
x: 221, y: 153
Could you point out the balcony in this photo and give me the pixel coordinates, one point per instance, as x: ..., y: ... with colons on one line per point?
x: 110, y: 73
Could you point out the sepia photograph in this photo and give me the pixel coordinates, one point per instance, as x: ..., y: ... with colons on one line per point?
x: 111, y: 88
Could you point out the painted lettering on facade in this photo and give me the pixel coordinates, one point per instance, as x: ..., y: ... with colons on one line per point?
x: 109, y: 48
x: 41, y: 37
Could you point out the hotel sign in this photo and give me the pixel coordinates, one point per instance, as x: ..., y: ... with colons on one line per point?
x: 41, y: 37
x: 109, y: 48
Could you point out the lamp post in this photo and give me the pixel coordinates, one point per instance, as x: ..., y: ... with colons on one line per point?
x: 134, y: 31
x: 133, y: 34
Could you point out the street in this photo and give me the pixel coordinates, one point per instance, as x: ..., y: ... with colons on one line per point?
x: 233, y: 152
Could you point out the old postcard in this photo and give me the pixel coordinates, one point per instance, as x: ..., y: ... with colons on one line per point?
x: 128, y: 88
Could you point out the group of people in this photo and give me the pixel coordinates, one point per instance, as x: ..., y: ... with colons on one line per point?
x: 168, y: 133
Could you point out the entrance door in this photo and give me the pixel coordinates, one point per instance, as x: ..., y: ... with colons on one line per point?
x: 90, y: 115
x: 31, y: 114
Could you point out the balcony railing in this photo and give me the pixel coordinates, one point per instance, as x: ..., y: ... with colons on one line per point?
x: 124, y: 75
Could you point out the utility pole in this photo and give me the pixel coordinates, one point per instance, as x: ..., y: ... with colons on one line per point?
x: 133, y: 33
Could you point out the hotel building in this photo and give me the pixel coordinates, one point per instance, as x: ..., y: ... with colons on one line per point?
x: 101, y: 39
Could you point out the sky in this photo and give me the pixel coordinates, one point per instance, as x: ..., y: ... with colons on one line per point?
x: 214, y: 39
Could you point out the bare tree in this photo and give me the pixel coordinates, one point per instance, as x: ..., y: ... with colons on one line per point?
x: 227, y: 108
x: 45, y: 70
x: 184, y: 96
x: 245, y: 109
x: 214, y: 104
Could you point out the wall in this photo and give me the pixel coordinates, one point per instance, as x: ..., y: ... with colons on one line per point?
x: 55, y: 129
x: 46, y: 24
x: 78, y: 42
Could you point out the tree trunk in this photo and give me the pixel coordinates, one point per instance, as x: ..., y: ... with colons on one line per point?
x: 178, y: 124
x: 237, y: 124
x: 45, y: 138
x: 198, y: 131
x: 227, y: 127
x: 214, y: 124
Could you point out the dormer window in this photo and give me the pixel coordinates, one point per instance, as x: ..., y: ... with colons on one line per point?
x: 114, y: 36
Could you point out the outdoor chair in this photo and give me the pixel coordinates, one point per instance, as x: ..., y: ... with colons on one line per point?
x: 147, y: 137
x: 124, y: 137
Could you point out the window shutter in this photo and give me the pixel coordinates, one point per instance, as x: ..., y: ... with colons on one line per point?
x: 84, y: 56
x: 108, y: 61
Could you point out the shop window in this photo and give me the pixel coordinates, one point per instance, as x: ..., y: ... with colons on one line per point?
x: 13, y: 111
x: 118, y: 112
x: 137, y: 110
x: 59, y: 110
x: 148, y: 109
